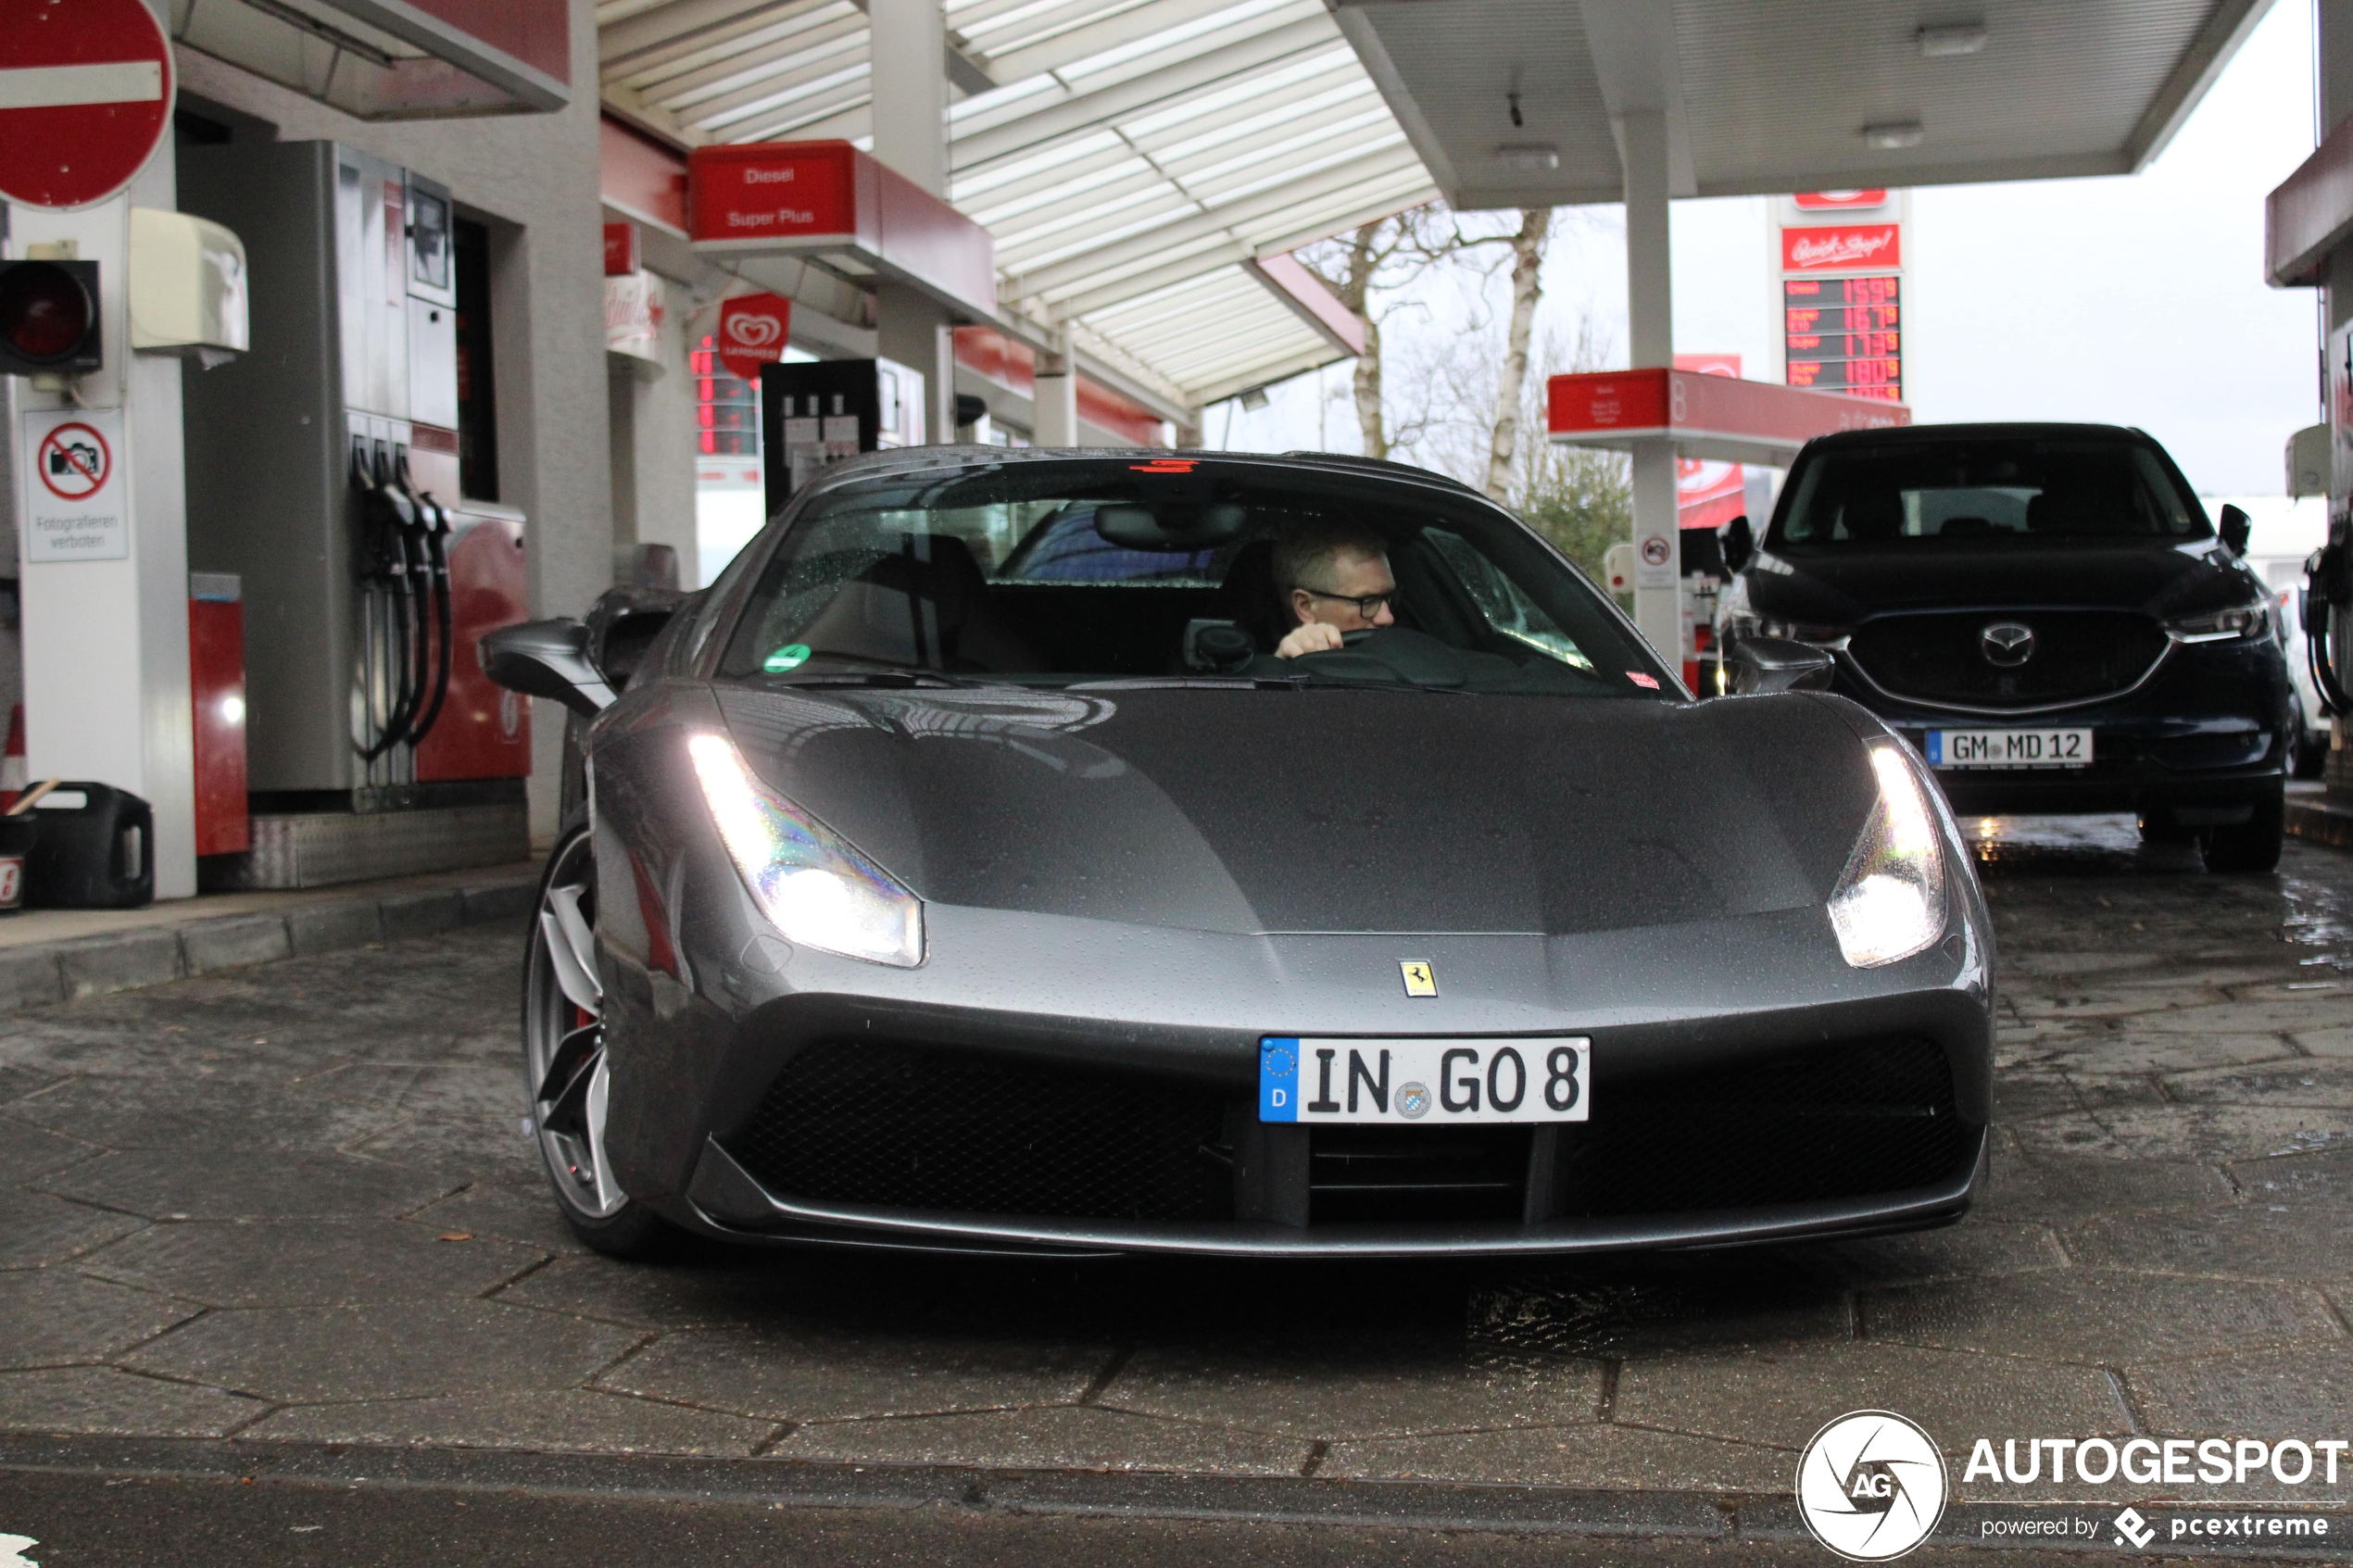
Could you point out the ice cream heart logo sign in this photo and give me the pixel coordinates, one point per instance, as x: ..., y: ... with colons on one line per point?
x: 752, y: 332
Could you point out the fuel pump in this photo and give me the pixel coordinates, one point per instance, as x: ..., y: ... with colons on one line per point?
x: 388, y: 610
x: 376, y: 747
x: 2328, y: 618
x: 435, y: 518
x: 2328, y: 586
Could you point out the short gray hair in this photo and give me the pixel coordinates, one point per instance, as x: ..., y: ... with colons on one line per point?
x: 1304, y: 553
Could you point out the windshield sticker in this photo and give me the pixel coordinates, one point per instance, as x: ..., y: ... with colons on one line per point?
x: 1648, y: 682
x: 792, y: 656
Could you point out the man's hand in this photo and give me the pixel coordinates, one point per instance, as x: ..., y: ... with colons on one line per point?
x: 1308, y: 636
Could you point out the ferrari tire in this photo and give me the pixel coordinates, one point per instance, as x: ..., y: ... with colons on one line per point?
x: 566, y: 1075
x: 2251, y: 845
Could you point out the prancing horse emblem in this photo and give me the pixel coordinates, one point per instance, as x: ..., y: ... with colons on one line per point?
x: 1419, y: 979
x: 2006, y: 644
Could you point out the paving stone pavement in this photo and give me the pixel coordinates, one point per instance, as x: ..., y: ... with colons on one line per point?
x: 288, y: 1203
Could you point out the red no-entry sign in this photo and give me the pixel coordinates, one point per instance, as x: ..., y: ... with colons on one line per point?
x: 85, y: 97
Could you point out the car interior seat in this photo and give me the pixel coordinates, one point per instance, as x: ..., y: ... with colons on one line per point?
x: 1249, y: 597
x: 924, y: 605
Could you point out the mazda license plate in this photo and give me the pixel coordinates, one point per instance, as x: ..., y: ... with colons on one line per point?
x: 2010, y: 748
x: 1425, y: 1081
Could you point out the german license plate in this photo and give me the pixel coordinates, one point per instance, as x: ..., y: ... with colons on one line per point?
x: 2010, y: 748
x: 1425, y: 1081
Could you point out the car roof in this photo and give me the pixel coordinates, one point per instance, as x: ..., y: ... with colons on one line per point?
x: 907, y: 458
x: 1929, y: 434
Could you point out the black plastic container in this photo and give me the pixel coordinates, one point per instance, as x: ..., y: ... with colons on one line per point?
x: 93, y: 849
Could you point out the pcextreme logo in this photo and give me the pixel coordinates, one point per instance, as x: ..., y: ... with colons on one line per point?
x: 1871, y: 1485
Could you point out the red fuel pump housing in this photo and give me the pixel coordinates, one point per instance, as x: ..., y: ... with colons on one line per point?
x: 216, y: 685
x: 485, y: 730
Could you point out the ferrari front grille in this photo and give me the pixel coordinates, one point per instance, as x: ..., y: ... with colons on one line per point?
x: 1845, y: 1120
x: 900, y: 1126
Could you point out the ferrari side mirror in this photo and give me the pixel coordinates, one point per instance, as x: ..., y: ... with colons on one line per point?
x: 547, y: 659
x: 2235, y: 526
x: 1737, y: 544
x: 1775, y: 664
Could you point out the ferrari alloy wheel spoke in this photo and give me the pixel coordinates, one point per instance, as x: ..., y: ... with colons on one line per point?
x: 572, y: 1052
x: 599, y: 1173
x: 565, y: 1112
x: 573, y: 948
x: 564, y: 1059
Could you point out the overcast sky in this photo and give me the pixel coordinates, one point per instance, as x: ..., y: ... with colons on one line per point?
x: 2133, y: 300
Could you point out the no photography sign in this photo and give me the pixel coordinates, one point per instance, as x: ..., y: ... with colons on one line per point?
x: 73, y: 496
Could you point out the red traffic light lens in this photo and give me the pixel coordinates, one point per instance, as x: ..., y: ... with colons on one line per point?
x: 44, y: 312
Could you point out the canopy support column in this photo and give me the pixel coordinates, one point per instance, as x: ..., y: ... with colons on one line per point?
x: 909, y: 76
x: 1650, y: 303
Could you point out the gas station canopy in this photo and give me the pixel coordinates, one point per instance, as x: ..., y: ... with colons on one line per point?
x: 1512, y: 103
x: 1131, y: 158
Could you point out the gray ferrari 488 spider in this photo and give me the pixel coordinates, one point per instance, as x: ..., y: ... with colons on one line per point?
x: 1084, y: 852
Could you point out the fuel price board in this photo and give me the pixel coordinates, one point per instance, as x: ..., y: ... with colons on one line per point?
x: 1844, y: 334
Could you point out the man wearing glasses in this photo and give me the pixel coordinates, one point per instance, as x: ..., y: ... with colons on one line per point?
x: 1333, y: 580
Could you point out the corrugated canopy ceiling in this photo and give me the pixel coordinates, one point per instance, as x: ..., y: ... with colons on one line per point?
x: 1128, y: 155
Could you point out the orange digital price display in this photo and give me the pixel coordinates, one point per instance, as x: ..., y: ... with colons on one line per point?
x: 1844, y: 334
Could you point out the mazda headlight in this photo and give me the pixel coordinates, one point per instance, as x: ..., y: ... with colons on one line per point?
x: 1890, y: 903
x: 811, y: 885
x: 2221, y: 626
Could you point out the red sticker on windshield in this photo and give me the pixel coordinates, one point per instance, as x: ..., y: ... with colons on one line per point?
x: 1165, y: 465
x: 1648, y: 682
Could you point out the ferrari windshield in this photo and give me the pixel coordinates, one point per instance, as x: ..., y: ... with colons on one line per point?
x: 1060, y: 571
x: 1914, y: 493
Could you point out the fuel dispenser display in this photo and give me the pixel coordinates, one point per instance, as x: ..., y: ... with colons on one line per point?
x: 322, y: 471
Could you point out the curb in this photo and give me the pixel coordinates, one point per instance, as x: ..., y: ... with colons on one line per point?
x: 1704, y: 1519
x: 2320, y: 821
x: 42, y: 973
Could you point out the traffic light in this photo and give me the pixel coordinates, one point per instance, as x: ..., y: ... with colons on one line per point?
x: 49, y: 318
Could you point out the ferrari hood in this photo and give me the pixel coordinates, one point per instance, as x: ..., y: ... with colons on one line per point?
x: 1325, y: 810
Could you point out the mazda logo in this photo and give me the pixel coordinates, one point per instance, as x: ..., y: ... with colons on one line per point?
x: 2006, y: 644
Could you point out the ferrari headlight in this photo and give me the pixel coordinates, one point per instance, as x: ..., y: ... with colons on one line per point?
x: 811, y: 885
x: 1890, y: 903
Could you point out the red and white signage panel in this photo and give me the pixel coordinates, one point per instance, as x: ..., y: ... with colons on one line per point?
x: 1839, y: 201
x: 85, y: 98
x: 753, y: 329
x: 1873, y: 247
x: 828, y: 197
x: 1705, y: 416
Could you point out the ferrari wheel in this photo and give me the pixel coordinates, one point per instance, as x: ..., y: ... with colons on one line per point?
x: 564, y: 1067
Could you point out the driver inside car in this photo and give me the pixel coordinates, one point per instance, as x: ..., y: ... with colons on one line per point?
x: 1333, y: 580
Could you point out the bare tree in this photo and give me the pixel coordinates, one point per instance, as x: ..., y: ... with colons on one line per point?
x: 1367, y: 271
x: 1527, y: 287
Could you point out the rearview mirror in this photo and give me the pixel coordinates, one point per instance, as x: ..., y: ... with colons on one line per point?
x: 2235, y: 526
x: 547, y: 659
x: 1775, y: 664
x: 1171, y: 525
x: 1737, y: 544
